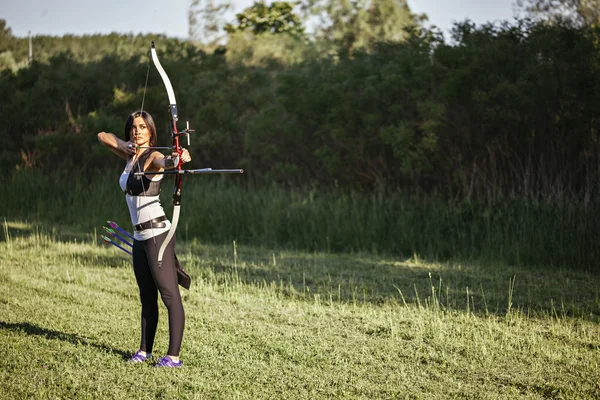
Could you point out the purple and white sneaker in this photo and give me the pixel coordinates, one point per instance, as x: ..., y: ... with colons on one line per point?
x: 166, y: 361
x: 138, y: 357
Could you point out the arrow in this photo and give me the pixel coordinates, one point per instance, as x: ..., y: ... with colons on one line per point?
x: 113, y: 233
x: 192, y: 171
x: 117, y: 227
x: 107, y: 240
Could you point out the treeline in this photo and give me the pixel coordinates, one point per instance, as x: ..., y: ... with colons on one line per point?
x: 507, y: 110
x: 14, y: 51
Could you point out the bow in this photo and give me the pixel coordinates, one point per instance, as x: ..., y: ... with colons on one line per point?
x: 176, y: 147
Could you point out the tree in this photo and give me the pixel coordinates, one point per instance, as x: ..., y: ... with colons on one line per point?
x: 276, y: 18
x: 582, y: 12
x: 5, y: 36
x: 206, y: 21
x: 360, y: 23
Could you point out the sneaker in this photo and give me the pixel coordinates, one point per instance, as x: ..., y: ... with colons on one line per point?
x: 166, y: 361
x: 138, y: 357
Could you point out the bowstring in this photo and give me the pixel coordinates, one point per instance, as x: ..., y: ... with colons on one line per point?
x: 145, y: 86
x: 138, y: 159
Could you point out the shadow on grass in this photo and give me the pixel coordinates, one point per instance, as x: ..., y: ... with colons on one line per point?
x: 365, y: 278
x: 15, y: 229
x: 60, y: 233
x: 34, y: 330
x: 479, y: 288
x: 109, y: 261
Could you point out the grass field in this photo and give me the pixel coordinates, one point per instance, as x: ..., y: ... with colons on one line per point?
x: 279, y: 324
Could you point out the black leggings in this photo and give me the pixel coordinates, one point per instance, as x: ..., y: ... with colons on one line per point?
x: 151, y: 280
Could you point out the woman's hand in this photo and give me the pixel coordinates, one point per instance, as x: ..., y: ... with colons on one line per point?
x: 185, y: 156
x: 173, y: 160
x: 130, y: 148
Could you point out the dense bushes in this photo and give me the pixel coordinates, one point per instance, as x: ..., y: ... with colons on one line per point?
x: 501, y: 110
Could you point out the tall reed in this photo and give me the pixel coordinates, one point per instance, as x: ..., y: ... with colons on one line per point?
x: 218, y: 209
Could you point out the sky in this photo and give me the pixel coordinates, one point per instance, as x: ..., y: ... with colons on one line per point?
x: 169, y: 17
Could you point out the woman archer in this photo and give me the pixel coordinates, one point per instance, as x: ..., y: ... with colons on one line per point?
x: 151, y: 228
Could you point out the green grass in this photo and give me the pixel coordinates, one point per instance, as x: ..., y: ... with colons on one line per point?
x: 264, y: 323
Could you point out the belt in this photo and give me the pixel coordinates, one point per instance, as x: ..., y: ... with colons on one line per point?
x: 153, y: 223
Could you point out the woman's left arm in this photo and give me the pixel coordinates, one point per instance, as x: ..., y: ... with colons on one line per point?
x: 160, y: 162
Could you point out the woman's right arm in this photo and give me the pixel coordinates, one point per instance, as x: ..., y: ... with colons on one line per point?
x: 116, y: 145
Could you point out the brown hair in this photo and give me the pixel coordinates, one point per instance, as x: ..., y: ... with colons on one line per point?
x: 149, y: 124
